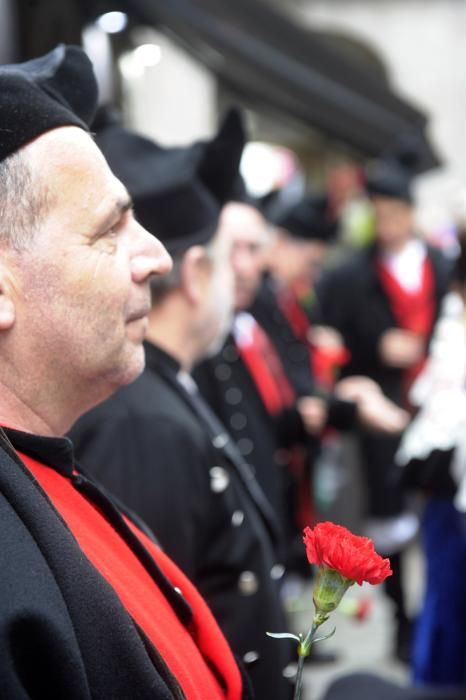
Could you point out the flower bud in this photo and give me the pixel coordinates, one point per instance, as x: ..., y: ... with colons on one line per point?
x: 329, y: 589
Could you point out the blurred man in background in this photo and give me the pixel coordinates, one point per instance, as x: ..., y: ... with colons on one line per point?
x: 270, y: 407
x: 384, y: 302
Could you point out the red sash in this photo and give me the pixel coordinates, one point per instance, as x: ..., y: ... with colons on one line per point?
x: 324, y: 362
x: 267, y: 372
x: 413, y: 311
x: 187, y: 653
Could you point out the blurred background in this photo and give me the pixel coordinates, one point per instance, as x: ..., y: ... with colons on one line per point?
x: 330, y: 83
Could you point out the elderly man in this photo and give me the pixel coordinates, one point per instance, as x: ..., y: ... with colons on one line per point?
x: 89, y: 605
x: 171, y: 459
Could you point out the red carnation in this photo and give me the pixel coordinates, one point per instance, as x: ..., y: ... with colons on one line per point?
x: 334, y: 547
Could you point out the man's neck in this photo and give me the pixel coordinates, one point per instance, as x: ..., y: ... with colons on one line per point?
x: 16, y: 413
x: 47, y: 411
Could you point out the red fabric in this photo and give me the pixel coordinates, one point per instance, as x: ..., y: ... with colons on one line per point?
x: 276, y: 392
x: 300, y: 468
x: 294, y: 313
x: 266, y: 369
x: 413, y: 311
x: 324, y: 362
x: 333, y: 546
x: 185, y: 651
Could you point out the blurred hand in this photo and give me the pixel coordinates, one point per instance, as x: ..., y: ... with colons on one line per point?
x: 376, y: 412
x: 400, y: 348
x: 314, y: 413
x: 355, y: 388
x: 325, y: 337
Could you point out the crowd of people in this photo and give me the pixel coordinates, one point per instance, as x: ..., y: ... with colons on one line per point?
x: 174, y: 354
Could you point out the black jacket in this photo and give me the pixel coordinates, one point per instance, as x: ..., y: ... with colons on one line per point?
x: 150, y: 446
x: 63, y: 631
x: 225, y: 382
x: 352, y: 300
x: 294, y: 354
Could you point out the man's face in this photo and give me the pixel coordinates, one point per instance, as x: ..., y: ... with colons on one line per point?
x: 249, y: 235
x: 217, y: 305
x: 393, y: 221
x: 294, y: 260
x: 81, y: 289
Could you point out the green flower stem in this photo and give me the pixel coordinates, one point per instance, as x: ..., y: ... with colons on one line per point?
x: 304, y: 649
x: 299, y: 679
x: 329, y: 588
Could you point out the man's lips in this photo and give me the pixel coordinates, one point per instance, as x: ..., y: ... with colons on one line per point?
x: 138, y: 315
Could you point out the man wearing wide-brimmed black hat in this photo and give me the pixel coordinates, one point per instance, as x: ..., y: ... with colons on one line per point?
x: 90, y: 607
x: 384, y: 301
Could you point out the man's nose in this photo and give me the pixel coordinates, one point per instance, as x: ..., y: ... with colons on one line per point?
x: 151, y: 258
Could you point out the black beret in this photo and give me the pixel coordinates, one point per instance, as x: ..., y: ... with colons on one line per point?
x: 308, y: 218
x: 220, y: 160
x: 58, y: 89
x: 389, y: 178
x: 169, y: 200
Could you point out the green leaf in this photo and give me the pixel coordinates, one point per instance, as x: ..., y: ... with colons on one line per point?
x: 326, y: 636
x: 283, y: 635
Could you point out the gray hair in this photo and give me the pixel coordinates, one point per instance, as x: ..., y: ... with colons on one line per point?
x: 22, y: 202
x: 161, y: 286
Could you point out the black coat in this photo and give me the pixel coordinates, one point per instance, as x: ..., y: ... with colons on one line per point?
x: 294, y: 354
x: 264, y: 440
x: 293, y: 351
x: 63, y: 631
x: 150, y: 445
x: 352, y: 300
x: 225, y: 382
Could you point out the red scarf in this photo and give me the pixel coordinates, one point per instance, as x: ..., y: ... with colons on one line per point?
x: 413, y: 310
x: 267, y: 372
x: 324, y: 362
x: 266, y: 369
x: 187, y: 652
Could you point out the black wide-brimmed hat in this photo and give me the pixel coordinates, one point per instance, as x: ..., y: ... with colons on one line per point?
x: 366, y: 686
x: 392, y: 175
x: 220, y: 158
x: 169, y: 199
x: 307, y: 218
x: 58, y: 89
x: 389, y: 178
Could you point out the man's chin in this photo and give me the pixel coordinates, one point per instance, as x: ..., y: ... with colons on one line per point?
x: 132, y: 368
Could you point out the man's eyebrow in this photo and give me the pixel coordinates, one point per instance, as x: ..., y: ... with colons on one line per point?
x: 122, y: 205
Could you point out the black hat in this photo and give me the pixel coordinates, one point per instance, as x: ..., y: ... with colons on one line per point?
x: 307, y: 218
x: 169, y: 200
x: 390, y: 178
x: 392, y: 175
x: 220, y: 160
x: 366, y: 686
x: 58, y: 89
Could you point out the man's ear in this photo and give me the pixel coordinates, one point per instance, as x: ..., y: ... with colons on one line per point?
x: 7, y: 306
x: 193, y: 272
